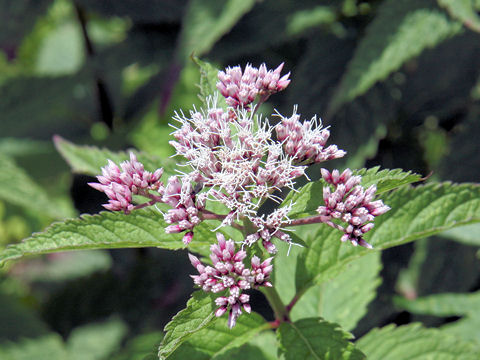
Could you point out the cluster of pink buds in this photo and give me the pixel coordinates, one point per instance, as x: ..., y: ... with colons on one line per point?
x: 350, y: 203
x: 230, y: 275
x: 241, y: 88
x: 121, y: 183
x: 185, y: 208
x: 306, y: 141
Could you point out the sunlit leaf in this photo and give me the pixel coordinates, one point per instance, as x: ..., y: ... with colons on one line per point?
x: 107, y: 230
x: 414, y: 342
x: 90, y: 159
x: 18, y: 188
x: 415, y: 213
x: 400, y: 31
x: 221, y: 338
x: 315, y: 338
x: 345, y: 298
x: 196, y: 316
x: 207, y: 21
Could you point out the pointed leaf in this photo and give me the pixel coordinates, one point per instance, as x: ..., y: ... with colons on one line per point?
x: 205, y: 22
x: 345, y: 298
x: 415, y: 213
x: 469, y: 234
x: 46, y: 347
x: 89, y: 159
x: 196, y: 316
x: 315, y: 338
x: 414, y: 342
x: 442, y: 304
x: 18, y: 188
x: 107, y: 230
x: 208, y: 82
x: 96, y: 341
x: 215, y: 339
x: 449, y: 304
x: 464, y: 11
x: 400, y: 31
x: 307, y: 200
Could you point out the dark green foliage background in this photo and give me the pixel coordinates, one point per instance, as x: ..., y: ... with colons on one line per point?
x: 397, y: 81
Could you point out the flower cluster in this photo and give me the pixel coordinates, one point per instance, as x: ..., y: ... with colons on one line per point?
x: 229, y: 275
x: 235, y: 162
x: 350, y: 203
x: 120, y: 183
x: 185, y: 210
x: 305, y: 142
x: 240, y: 89
x: 233, y: 159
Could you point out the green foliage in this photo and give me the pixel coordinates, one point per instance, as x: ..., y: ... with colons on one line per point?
x: 463, y: 10
x: 93, y: 342
x: 18, y: 321
x: 469, y: 234
x: 18, y: 188
x: 96, y: 341
x: 206, y: 22
x: 46, y: 347
x: 415, y: 213
x: 414, y: 342
x: 208, y: 81
x: 315, y: 338
x: 400, y: 31
x: 214, y: 340
x: 107, y: 230
x: 197, y: 315
x: 90, y: 159
x: 352, y: 291
x: 444, y: 305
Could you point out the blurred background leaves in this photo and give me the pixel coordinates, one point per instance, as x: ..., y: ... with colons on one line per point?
x: 397, y: 81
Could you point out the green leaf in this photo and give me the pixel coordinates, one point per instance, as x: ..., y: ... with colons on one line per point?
x: 45, y: 347
x: 315, y: 338
x: 61, y: 51
x: 415, y: 213
x: 141, y: 347
x: 18, y: 20
x: 205, y: 22
x: 95, y: 341
x: 221, y: 338
x: 18, y: 188
x: 345, y: 298
x: 306, y: 199
x: 442, y: 304
x: 23, y: 147
x: 89, y: 159
x: 386, y: 179
x: 304, y: 20
x: 464, y: 11
x: 18, y: 320
x: 208, y: 81
x: 400, y: 31
x: 414, y: 342
x: 469, y: 234
x: 449, y: 304
x: 107, y: 230
x: 196, y: 316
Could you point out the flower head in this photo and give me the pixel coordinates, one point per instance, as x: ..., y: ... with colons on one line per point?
x: 231, y: 277
x: 352, y: 204
x: 306, y: 142
x: 120, y: 183
x: 240, y: 89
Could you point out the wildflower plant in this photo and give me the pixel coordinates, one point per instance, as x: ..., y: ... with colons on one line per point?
x: 234, y: 204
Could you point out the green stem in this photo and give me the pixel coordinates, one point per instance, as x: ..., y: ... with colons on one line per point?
x: 279, y: 309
